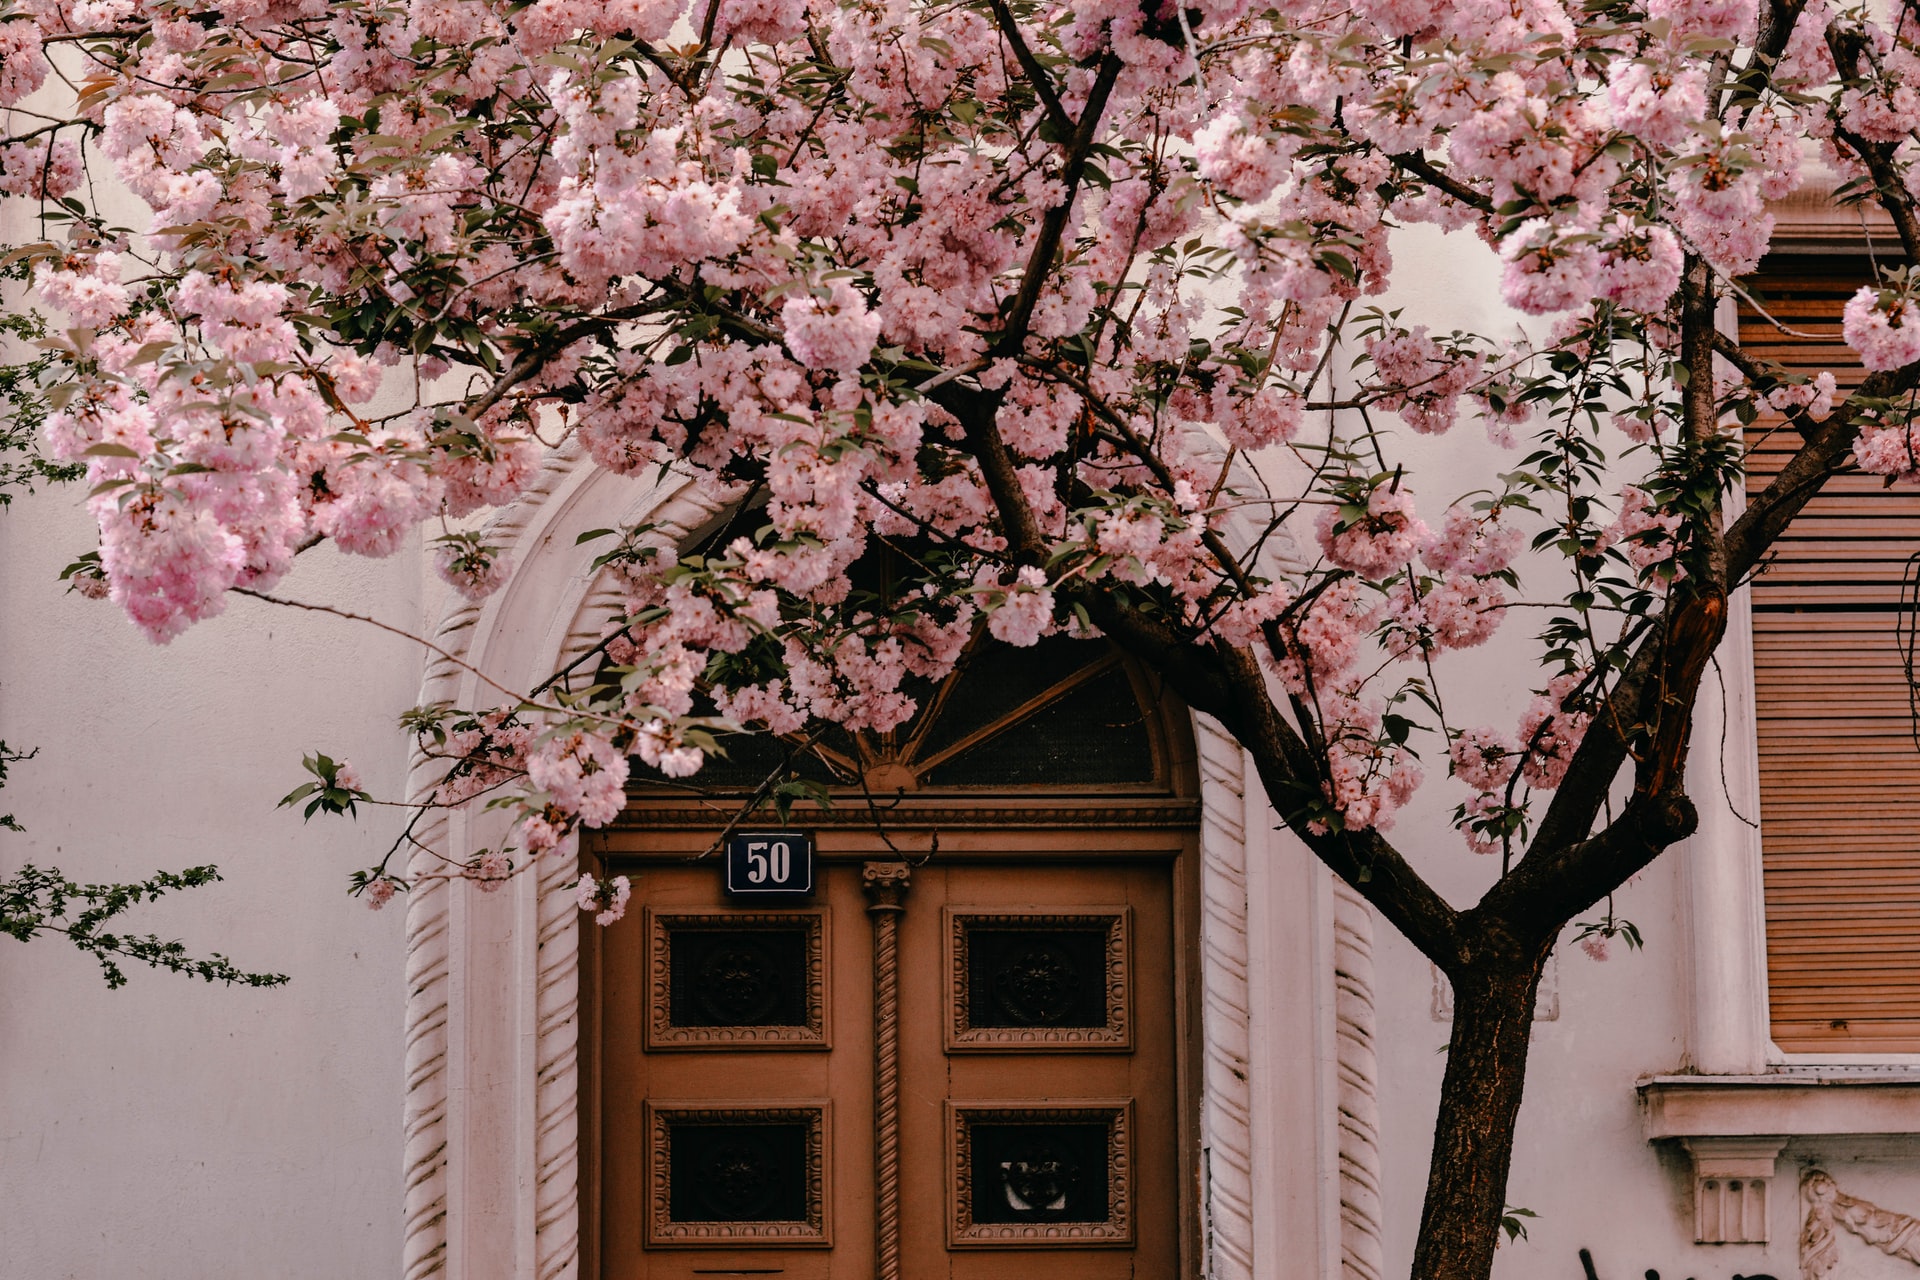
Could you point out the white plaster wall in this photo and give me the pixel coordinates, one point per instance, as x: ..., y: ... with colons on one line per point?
x: 171, y: 1130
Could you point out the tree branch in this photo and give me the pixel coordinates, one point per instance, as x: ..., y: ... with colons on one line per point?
x: 1042, y: 82
x: 1434, y: 176
x: 1047, y: 243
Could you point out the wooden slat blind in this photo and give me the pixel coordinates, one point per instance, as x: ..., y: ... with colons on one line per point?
x: 1839, y: 770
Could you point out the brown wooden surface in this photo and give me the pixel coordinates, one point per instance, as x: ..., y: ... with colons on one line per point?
x: 1839, y: 769
x: 1148, y: 1072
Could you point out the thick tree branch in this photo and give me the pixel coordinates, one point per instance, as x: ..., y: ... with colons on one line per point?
x: 1760, y: 376
x: 1828, y: 447
x: 1364, y: 859
x: 1556, y: 881
x: 1046, y: 244
x: 1652, y: 703
x: 1042, y: 82
x: 1434, y: 176
x: 1846, y: 45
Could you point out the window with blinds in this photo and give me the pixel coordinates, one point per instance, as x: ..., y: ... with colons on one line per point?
x: 1839, y: 768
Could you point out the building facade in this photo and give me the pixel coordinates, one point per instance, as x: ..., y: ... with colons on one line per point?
x: 1064, y: 1000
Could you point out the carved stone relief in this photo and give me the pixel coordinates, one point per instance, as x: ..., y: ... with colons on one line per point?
x: 1831, y: 1210
x: 1546, y: 1004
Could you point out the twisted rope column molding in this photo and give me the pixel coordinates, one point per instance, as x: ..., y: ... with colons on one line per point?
x: 1226, y: 1112
x: 1357, y: 1089
x: 550, y: 1102
x: 886, y: 886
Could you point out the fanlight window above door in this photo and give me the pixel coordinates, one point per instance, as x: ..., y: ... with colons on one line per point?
x: 1065, y: 716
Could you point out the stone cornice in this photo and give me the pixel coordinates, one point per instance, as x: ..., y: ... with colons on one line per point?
x: 1783, y: 1104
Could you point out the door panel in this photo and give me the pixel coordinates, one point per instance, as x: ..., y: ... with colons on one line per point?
x: 1039, y: 1099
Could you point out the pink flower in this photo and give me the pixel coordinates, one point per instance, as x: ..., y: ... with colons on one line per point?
x: 378, y: 893
x: 1639, y: 265
x: 1659, y: 105
x: 1719, y: 19
x: 490, y: 872
x: 1887, y: 452
x: 1269, y: 416
x: 1378, y: 542
x: 1484, y: 758
x: 1026, y: 612
x: 474, y: 570
x: 1815, y: 397
x: 88, y: 289
x: 1595, y: 945
x: 1550, y: 732
x: 583, y: 774
x: 661, y: 747
x: 355, y: 379
x: 836, y: 333
x: 1544, y: 271
x: 1236, y: 158
x: 167, y: 563
x: 1883, y: 328
x: 1639, y: 516
x: 23, y: 67
x: 608, y: 901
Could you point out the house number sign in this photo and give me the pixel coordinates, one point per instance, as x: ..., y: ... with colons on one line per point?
x: 769, y: 865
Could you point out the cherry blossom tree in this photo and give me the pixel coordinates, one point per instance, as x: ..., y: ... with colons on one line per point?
x: 1076, y: 312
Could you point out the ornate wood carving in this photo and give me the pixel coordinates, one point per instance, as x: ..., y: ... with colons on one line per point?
x: 1124, y: 812
x: 1828, y: 1208
x: 663, y: 1034
x: 886, y: 886
x: 1117, y: 1228
x: 1115, y: 1034
x: 811, y: 1230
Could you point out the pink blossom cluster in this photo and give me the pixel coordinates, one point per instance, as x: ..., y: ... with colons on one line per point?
x: 1814, y: 398
x: 1642, y: 529
x: 606, y: 899
x: 1552, y: 729
x: 1379, y: 539
x: 583, y: 773
x: 948, y: 372
x: 1883, y: 327
x: 1423, y: 382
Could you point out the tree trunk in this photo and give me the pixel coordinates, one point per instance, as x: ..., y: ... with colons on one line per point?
x: 1473, y: 1135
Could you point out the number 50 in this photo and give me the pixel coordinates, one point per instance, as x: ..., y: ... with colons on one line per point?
x: 768, y: 862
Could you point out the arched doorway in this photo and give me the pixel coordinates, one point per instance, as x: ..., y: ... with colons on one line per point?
x: 973, y: 1052
x: 501, y: 1135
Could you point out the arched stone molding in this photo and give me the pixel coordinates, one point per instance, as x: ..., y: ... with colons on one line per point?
x: 492, y: 1131
x: 1357, y: 1087
x: 492, y: 1142
x: 1226, y: 1113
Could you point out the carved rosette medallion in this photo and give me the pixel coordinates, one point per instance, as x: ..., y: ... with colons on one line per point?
x: 736, y: 980
x: 730, y: 1175
x: 1038, y: 980
x: 1028, y: 1176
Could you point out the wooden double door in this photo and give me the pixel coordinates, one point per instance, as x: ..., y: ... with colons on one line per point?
x: 965, y: 1068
